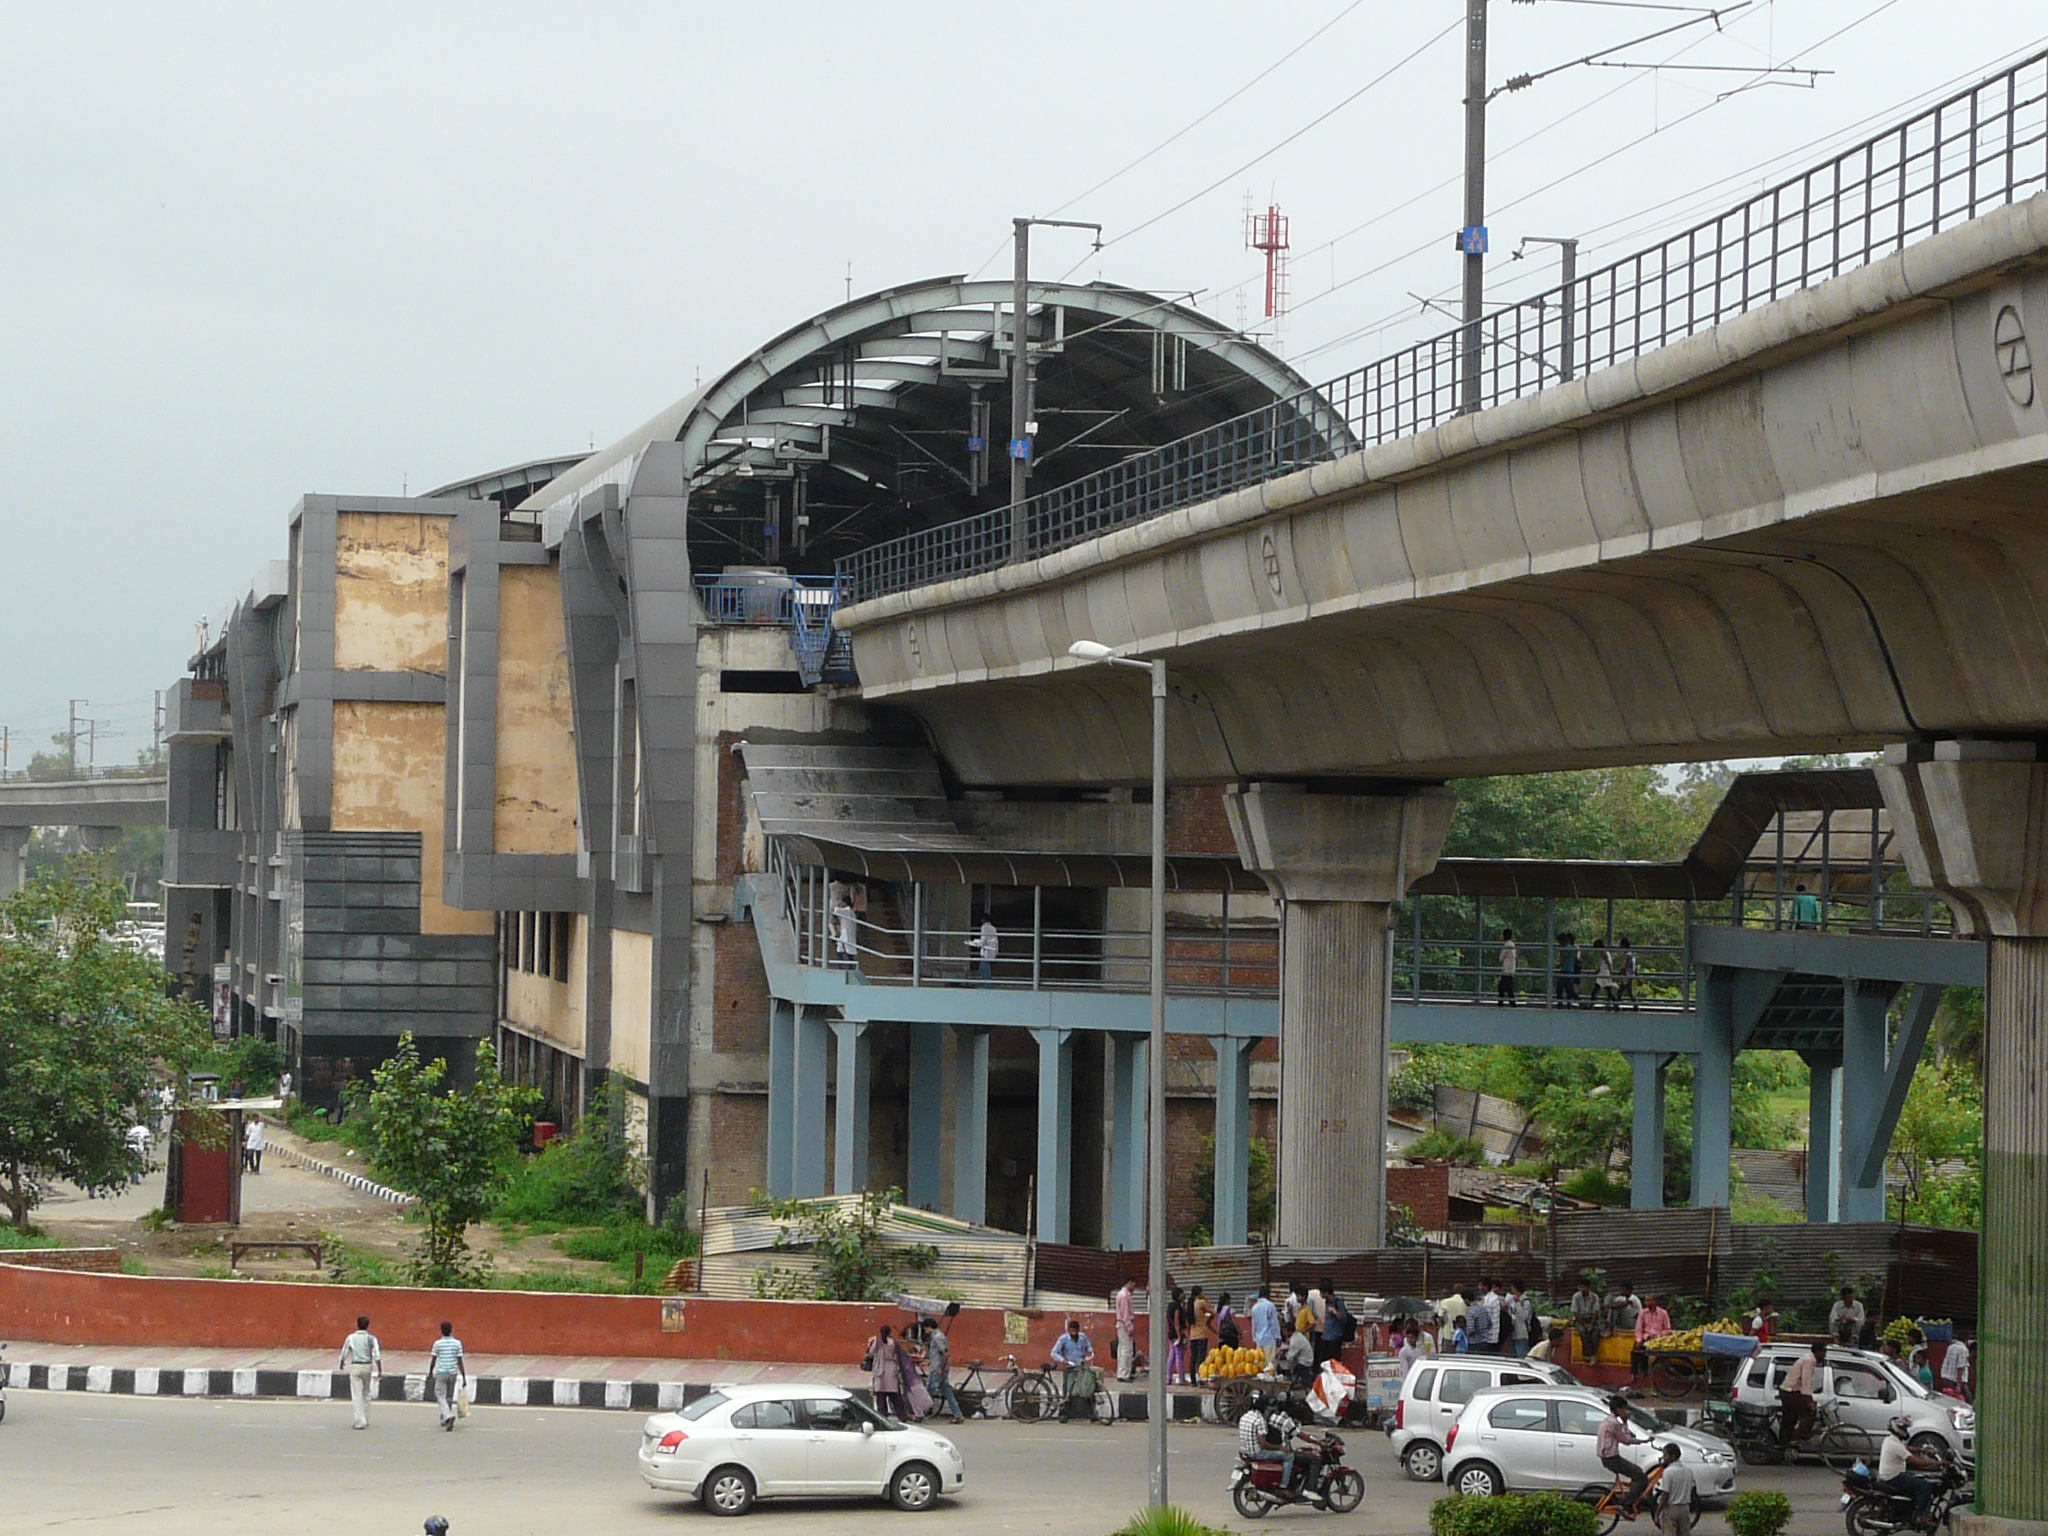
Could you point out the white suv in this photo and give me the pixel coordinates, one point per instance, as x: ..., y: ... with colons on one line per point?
x: 1437, y: 1387
x: 1868, y: 1390
x: 1528, y: 1439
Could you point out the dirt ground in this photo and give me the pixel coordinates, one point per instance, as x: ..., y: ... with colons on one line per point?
x: 283, y: 1201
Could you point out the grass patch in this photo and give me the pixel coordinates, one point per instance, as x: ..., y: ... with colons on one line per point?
x: 12, y: 1240
x: 130, y: 1265
x: 351, y: 1265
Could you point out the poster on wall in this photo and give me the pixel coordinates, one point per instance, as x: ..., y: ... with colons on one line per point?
x: 223, y: 1001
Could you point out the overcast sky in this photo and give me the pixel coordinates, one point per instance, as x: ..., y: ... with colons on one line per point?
x: 255, y: 251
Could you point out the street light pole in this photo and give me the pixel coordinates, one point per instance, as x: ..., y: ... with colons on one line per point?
x: 1155, y: 1081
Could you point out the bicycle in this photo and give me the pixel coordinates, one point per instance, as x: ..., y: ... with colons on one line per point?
x: 1607, y: 1509
x: 1025, y: 1395
x: 1759, y: 1438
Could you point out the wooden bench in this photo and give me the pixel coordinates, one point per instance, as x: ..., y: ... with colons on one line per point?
x: 236, y: 1250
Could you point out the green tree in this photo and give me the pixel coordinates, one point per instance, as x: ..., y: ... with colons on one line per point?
x: 853, y: 1260
x: 86, y: 1034
x: 450, y: 1148
x: 1941, y: 1123
x: 1259, y: 1188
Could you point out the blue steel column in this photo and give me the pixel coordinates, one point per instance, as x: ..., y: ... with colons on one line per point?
x: 1055, y: 1133
x: 1712, y: 1087
x: 927, y: 1095
x: 1822, y: 1107
x: 1233, y: 1138
x: 850, y: 1109
x: 970, y: 1124
x: 1646, y: 1156
x: 1863, y: 1051
x: 807, y: 1170
x: 1127, y: 1067
x: 781, y: 1099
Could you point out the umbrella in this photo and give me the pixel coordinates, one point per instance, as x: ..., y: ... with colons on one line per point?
x: 1406, y: 1306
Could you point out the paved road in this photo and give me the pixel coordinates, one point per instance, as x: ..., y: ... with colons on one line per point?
x: 281, y: 1188
x: 226, y: 1468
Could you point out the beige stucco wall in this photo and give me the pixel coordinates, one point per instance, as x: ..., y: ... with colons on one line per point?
x: 632, y: 1002
x: 388, y: 761
x: 536, y: 799
x: 390, y: 592
x: 546, y: 1009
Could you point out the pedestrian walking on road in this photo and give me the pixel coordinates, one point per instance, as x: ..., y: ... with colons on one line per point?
x: 1126, y: 1330
x: 888, y: 1374
x: 1675, y: 1488
x: 938, y: 1364
x: 363, y: 1358
x: 451, y: 1373
x: 254, y: 1139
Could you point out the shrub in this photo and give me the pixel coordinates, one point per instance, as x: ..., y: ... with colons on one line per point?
x: 1595, y: 1184
x: 583, y: 1179
x: 1448, y: 1147
x: 1512, y: 1514
x: 1758, y: 1513
x: 14, y: 1238
x: 1168, y: 1521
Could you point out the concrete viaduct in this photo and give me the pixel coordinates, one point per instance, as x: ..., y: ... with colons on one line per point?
x: 1816, y: 526
x: 100, y: 808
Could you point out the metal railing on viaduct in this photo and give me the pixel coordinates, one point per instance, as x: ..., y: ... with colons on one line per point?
x: 1979, y: 149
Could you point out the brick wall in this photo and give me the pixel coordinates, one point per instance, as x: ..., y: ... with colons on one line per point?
x: 1425, y: 1191
x: 738, y: 1153
x: 1195, y: 822
x: 105, y: 1261
x: 739, y: 990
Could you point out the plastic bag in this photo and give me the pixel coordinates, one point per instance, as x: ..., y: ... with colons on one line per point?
x: 462, y: 1400
x: 1329, y: 1396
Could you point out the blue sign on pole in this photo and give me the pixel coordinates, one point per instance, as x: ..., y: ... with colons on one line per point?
x: 1472, y: 239
x: 976, y: 444
x: 1020, y: 447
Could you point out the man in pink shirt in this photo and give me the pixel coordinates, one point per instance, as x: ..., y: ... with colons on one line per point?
x: 1653, y: 1322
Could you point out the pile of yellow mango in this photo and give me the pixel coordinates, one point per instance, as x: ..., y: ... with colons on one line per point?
x: 1692, y: 1338
x: 1224, y: 1361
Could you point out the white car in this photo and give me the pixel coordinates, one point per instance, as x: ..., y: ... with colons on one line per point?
x: 1867, y: 1390
x: 1436, y: 1390
x: 738, y: 1444
x: 1528, y: 1439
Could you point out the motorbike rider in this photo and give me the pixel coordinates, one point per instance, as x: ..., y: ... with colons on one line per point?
x: 1265, y: 1433
x: 1898, y: 1465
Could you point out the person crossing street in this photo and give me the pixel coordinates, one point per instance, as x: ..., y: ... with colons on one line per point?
x: 451, y: 1374
x: 363, y: 1358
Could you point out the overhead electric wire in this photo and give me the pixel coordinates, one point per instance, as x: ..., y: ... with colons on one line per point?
x: 1386, y: 74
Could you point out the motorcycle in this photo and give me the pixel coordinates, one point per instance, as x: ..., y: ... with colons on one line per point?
x: 1321, y: 1480
x: 1868, y: 1510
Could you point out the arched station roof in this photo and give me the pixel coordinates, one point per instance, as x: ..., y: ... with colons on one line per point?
x: 863, y: 417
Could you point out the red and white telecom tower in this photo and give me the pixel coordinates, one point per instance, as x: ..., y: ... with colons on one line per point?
x: 1267, y: 232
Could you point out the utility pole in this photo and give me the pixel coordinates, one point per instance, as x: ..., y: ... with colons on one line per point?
x: 1472, y: 238
x: 156, y: 733
x: 71, y: 736
x: 1568, y: 277
x: 1022, y: 428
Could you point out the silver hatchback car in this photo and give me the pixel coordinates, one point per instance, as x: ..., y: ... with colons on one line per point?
x: 1528, y: 1439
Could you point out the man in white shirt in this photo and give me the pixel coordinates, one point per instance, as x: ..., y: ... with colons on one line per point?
x: 988, y: 944
x: 363, y: 1358
x: 1897, y: 1464
x: 254, y: 1139
x: 1955, y: 1369
x: 1675, y: 1487
x: 446, y: 1361
x: 1845, y: 1318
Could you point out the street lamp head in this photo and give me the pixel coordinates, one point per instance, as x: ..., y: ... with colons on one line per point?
x: 1090, y: 650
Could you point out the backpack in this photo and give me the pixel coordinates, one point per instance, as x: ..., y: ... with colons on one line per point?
x: 1349, y: 1325
x: 1226, y: 1329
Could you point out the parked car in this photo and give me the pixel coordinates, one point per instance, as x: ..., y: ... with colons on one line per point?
x: 1528, y: 1439
x: 1438, y: 1386
x: 1867, y: 1390
x: 738, y: 1444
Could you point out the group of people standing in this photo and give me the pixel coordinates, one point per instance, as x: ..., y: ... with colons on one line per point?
x: 1488, y: 1321
x: 1305, y: 1326
x: 911, y: 1373
x: 1611, y: 973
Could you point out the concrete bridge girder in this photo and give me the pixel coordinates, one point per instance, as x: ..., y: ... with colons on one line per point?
x: 1814, y: 527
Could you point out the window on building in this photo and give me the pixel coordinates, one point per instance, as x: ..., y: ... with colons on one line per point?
x: 564, y: 925
x: 628, y: 788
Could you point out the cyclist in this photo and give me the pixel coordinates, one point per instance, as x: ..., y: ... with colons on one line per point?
x: 1897, y: 1466
x: 1614, y: 1434
x: 1265, y: 1433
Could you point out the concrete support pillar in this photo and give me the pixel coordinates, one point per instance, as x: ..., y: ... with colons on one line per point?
x: 1972, y: 821
x: 1823, y: 1107
x: 850, y: 1108
x: 970, y: 1124
x: 927, y: 1126
x: 1233, y: 1138
x: 781, y: 1098
x: 1129, y: 1060
x: 1337, y: 863
x: 1713, y: 1087
x: 1863, y: 1084
x: 1055, y: 1134
x: 1646, y: 1144
x: 14, y: 858
x: 807, y: 1117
